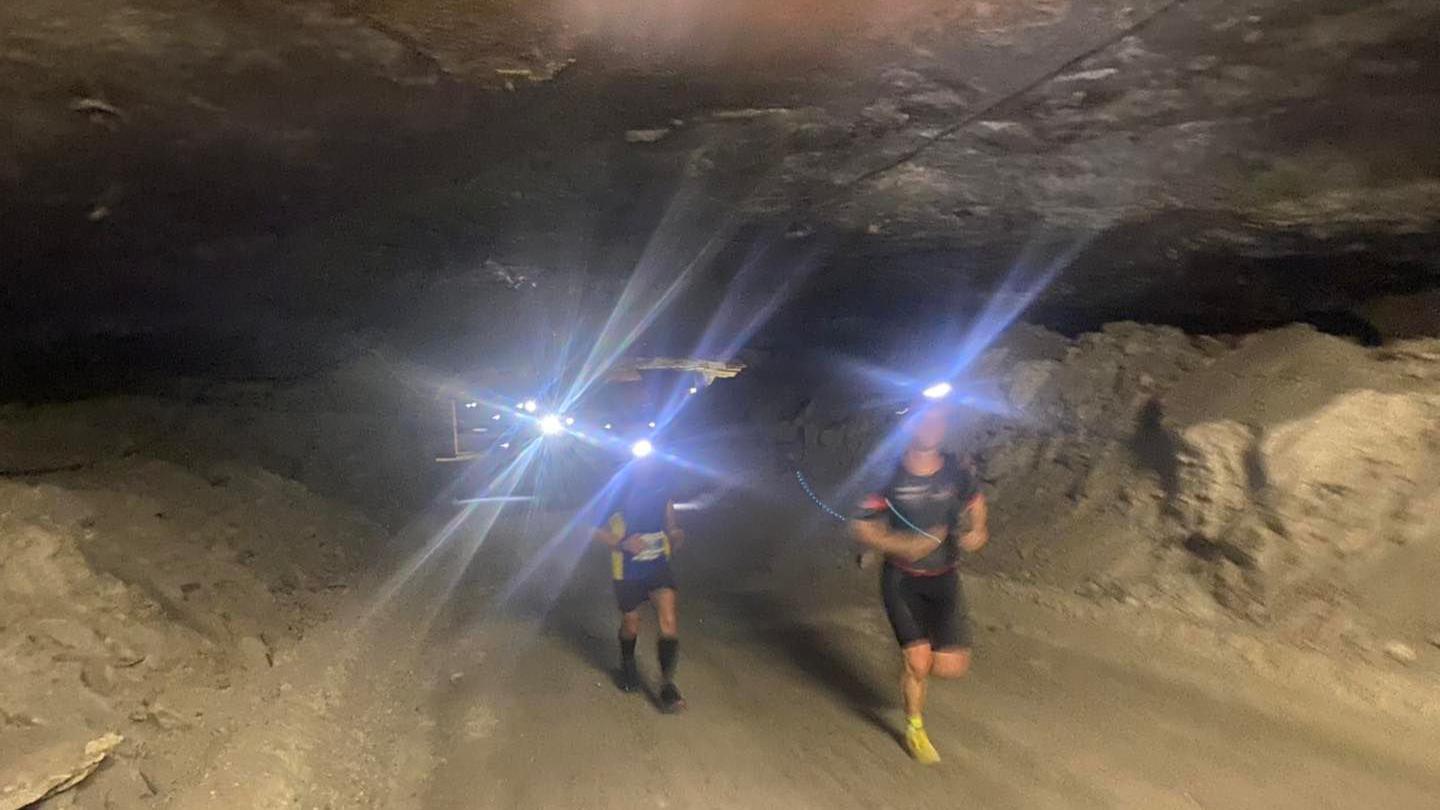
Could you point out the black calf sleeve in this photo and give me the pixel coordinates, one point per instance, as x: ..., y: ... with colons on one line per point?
x: 627, y: 649
x: 669, y: 649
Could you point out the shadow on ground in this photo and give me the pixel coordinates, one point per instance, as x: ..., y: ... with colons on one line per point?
x: 818, y: 650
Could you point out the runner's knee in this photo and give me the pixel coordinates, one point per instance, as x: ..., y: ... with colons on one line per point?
x: 667, y: 613
x: 630, y: 624
x: 919, y: 660
x: 951, y: 664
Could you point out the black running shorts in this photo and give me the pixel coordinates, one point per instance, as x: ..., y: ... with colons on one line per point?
x: 632, y: 593
x: 926, y: 608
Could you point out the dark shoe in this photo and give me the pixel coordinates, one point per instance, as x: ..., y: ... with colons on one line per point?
x: 627, y: 678
x: 670, y: 700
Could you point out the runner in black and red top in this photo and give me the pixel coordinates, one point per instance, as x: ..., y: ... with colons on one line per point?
x: 921, y: 520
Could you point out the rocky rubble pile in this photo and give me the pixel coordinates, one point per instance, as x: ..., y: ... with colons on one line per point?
x: 1299, y: 456
x: 136, y: 599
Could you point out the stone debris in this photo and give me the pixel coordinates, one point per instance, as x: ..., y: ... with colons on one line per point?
x: 129, y: 600
x: 254, y: 653
x: 97, y: 109
x: 748, y: 113
x: 1402, y: 652
x: 1011, y: 135
x: 1087, y: 75
x: 544, y: 73
x: 647, y: 135
x: 51, y: 770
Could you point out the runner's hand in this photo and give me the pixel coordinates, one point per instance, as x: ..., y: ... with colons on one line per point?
x: 634, y: 544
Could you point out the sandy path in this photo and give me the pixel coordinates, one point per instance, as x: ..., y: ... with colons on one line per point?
x: 793, y: 707
x: 506, y: 702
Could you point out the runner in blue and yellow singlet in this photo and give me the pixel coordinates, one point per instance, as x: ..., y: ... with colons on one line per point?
x: 638, y: 525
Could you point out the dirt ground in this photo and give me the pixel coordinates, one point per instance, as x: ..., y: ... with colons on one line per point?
x: 500, y: 696
x: 188, y: 592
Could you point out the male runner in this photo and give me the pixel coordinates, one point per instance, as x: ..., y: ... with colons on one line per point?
x: 640, y: 528
x: 920, y: 521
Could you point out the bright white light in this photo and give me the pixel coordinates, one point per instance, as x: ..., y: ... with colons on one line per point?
x: 652, y: 424
x: 642, y: 448
x: 530, y: 405
x: 505, y: 445
x: 472, y: 404
x: 495, y: 417
x: 569, y: 420
x: 519, y: 406
x: 939, y: 390
x: 607, y: 426
x: 550, y: 424
x: 694, y: 390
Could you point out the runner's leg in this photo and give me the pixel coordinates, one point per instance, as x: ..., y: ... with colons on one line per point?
x: 950, y: 633
x: 630, y: 625
x: 629, y: 633
x: 919, y: 660
x: 668, y: 613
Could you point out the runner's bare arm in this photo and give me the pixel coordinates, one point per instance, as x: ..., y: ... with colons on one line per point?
x: 979, y: 533
x: 874, y: 534
x: 607, y: 537
x: 870, y: 532
x: 672, y: 527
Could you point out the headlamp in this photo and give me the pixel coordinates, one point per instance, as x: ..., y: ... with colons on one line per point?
x: 939, y: 390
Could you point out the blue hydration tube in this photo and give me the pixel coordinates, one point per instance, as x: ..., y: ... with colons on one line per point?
x: 907, y: 522
x: 805, y: 485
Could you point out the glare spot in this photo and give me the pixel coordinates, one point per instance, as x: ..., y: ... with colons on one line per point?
x: 550, y: 424
x: 939, y: 390
x: 642, y: 448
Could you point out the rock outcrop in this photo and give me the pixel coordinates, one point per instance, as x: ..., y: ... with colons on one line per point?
x: 1298, y: 451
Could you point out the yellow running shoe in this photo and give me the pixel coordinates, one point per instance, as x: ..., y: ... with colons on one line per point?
x: 917, y: 742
